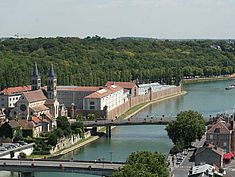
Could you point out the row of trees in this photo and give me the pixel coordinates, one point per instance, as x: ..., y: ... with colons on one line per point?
x: 93, y: 61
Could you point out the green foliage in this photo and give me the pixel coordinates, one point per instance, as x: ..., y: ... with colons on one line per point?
x: 179, y: 147
x: 17, y: 135
x: 22, y: 155
x: 62, y: 122
x: 52, y: 139
x: 91, y: 116
x: 144, y: 164
x: 93, y: 61
x: 6, y: 131
x: 188, y: 126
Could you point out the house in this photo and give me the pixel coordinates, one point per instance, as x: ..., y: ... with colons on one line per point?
x: 205, y: 170
x: 220, y: 136
x: 130, y: 87
x: 107, y: 98
x: 209, y: 154
x: 9, y: 96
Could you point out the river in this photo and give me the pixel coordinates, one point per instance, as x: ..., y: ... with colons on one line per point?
x: 208, y: 98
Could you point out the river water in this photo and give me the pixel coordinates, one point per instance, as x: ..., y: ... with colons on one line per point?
x: 209, y: 98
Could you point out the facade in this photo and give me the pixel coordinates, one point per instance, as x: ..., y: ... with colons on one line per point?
x: 209, y: 154
x: 74, y: 95
x: 219, y: 135
x: 130, y: 87
x: 107, y: 98
x: 9, y: 96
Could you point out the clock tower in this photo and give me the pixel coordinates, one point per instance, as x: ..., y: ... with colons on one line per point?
x: 51, y: 84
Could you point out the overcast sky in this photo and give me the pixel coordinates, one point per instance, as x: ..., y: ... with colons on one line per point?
x: 174, y: 19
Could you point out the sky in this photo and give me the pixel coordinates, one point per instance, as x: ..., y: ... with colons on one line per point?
x: 162, y: 19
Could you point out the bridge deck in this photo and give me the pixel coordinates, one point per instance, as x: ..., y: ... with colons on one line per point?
x: 123, y: 122
x: 87, y: 167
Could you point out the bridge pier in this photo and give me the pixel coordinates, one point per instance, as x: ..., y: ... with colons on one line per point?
x: 108, y: 131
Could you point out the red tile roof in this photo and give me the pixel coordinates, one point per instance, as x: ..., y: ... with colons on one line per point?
x: 104, y: 92
x: 219, y: 128
x: 126, y: 85
x: 13, y: 90
x: 34, y: 96
x: 78, y: 88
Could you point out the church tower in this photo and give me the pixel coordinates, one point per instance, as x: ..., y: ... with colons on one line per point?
x: 51, y: 84
x: 36, y: 78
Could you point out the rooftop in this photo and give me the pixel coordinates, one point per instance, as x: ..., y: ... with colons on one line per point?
x: 14, y: 90
x: 104, y: 92
x: 126, y: 85
x: 78, y: 88
x: 219, y: 128
x: 34, y: 96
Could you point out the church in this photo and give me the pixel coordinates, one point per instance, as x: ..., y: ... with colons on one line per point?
x: 39, y: 102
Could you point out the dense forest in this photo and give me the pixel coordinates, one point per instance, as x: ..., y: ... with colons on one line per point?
x: 95, y: 60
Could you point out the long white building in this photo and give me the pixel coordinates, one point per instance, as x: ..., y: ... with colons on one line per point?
x: 110, y: 97
x: 154, y: 87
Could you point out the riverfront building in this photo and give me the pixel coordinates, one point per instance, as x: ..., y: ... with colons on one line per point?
x: 107, y: 98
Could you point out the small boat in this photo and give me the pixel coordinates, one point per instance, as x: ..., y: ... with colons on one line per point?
x: 230, y: 87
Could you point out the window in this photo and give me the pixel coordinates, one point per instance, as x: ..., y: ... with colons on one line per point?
x: 225, y: 144
x: 92, y: 102
x: 211, y: 137
x: 92, y: 107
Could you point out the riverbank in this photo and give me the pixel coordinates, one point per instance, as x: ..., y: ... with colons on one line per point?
x: 131, y: 112
x: 208, y: 79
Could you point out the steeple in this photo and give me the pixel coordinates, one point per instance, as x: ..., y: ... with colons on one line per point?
x: 51, y: 72
x: 36, y: 78
x: 51, y: 84
x: 35, y: 70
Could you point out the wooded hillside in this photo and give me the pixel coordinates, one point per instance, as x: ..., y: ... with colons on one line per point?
x: 93, y: 61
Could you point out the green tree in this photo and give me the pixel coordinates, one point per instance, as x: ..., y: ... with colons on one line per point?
x: 17, y: 135
x: 63, y: 123
x: 144, y: 164
x: 52, y: 139
x: 188, y: 126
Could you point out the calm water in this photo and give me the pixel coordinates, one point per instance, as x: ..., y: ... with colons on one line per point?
x: 208, y: 98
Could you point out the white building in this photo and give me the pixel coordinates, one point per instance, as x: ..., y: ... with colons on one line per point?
x: 111, y: 97
x: 9, y: 96
x: 69, y: 95
x: 154, y: 87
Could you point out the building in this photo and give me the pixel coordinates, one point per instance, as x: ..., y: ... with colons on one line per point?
x: 205, y: 170
x: 153, y: 87
x: 131, y: 87
x: 107, y: 98
x: 209, y: 154
x: 219, y: 135
x: 9, y: 96
x: 74, y: 95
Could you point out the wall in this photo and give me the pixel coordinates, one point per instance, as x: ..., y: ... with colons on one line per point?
x: 65, y: 143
